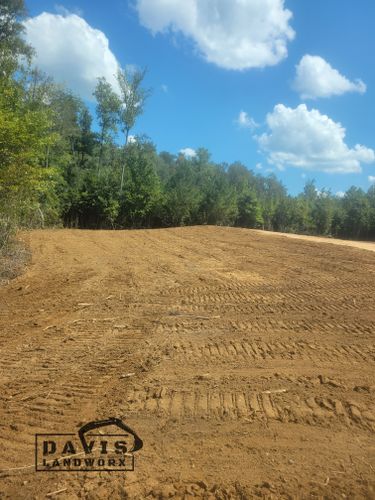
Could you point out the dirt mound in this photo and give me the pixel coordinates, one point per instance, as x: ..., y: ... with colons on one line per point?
x: 244, y: 361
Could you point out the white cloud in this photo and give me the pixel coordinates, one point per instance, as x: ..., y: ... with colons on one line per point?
x: 259, y: 166
x: 340, y: 194
x: 315, y: 78
x: 245, y: 121
x: 60, y: 9
x: 235, y: 34
x: 71, y: 51
x: 132, y: 139
x: 188, y: 152
x: 311, y: 141
x: 371, y: 178
x: 164, y: 88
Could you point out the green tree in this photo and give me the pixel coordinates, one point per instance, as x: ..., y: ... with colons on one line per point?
x: 219, y: 201
x: 24, y: 136
x: 107, y: 109
x: 270, y: 193
x: 284, y: 215
x: 371, y: 202
x: 133, y: 98
x: 86, y: 139
x: 322, y: 213
x: 98, y: 205
x: 141, y: 191
x: 12, y: 43
x: 356, y: 208
x: 338, y: 216
x: 241, y: 178
x: 249, y: 210
x: 183, y: 194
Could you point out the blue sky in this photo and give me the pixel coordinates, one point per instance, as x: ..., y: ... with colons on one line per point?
x: 209, y: 60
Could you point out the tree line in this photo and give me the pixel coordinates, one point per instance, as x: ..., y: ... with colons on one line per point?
x: 55, y: 169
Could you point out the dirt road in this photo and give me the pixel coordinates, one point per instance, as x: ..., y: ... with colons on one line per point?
x: 253, y: 359
x: 364, y: 245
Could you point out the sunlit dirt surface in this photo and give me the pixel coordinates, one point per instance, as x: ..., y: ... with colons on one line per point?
x: 364, y: 245
x: 245, y: 361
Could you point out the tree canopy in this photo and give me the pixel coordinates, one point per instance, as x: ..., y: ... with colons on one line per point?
x: 56, y: 168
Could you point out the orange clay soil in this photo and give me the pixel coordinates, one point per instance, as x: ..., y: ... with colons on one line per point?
x: 252, y: 357
x: 364, y: 245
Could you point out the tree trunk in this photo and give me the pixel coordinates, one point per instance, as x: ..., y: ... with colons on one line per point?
x: 101, y: 150
x: 123, y: 165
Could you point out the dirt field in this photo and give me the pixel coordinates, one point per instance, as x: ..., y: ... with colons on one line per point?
x: 364, y: 245
x: 253, y: 362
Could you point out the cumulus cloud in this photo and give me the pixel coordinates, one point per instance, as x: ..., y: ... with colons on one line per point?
x: 71, y: 51
x: 312, y: 141
x: 315, y: 78
x: 371, y: 179
x: 60, y: 9
x: 188, y: 152
x: 245, y: 121
x: 235, y: 34
x: 340, y: 194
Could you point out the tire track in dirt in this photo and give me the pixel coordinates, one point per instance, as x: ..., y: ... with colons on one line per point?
x: 248, y: 405
x: 224, y: 332
x: 243, y: 350
x: 53, y: 375
x: 60, y: 380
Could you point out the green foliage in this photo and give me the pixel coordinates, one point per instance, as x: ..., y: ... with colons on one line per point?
x: 107, y: 108
x: 25, y: 135
x: 219, y: 204
x: 12, y: 44
x: 270, y: 193
x: 98, y: 206
x: 249, y: 210
x: 283, y: 217
x: 54, y: 168
x: 133, y: 98
x: 132, y: 102
x: 322, y: 213
x: 183, y: 196
x: 141, y: 192
x: 371, y: 216
x: 356, y: 219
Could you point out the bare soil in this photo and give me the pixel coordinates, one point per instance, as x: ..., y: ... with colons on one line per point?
x: 364, y: 245
x: 253, y: 358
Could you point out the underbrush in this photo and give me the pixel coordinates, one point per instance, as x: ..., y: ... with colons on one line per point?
x: 14, y: 253
x: 14, y: 256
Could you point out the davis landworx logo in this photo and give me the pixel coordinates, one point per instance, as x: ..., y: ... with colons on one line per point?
x: 89, y: 449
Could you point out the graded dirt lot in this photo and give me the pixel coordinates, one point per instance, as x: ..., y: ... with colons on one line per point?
x: 246, y: 363
x: 364, y: 245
